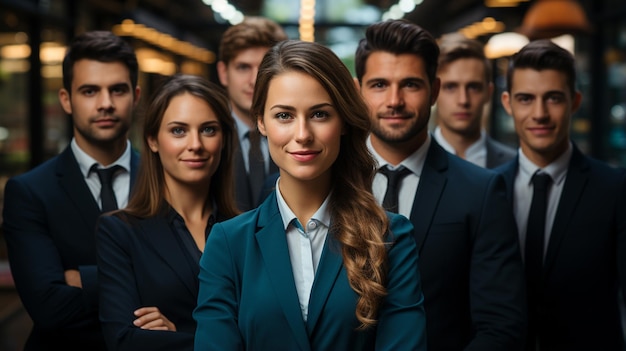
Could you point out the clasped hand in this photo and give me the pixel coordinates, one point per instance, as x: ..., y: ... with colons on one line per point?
x: 151, y: 318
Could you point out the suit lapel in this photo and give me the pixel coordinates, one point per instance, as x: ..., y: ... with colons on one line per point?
x: 73, y: 183
x: 492, y: 154
x: 242, y: 186
x: 325, y: 278
x: 158, y: 233
x: 431, y: 184
x: 273, y: 246
x: 577, y: 176
x: 508, y: 172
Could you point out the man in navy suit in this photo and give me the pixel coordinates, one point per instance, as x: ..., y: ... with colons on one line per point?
x: 574, y: 248
x: 466, y: 87
x: 469, y: 256
x: 50, y: 212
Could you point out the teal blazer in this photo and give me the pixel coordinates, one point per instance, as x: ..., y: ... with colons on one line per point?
x: 248, y: 300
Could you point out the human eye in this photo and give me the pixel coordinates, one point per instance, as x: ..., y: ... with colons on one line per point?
x: 477, y: 88
x: 377, y: 85
x: 282, y: 116
x: 119, y: 90
x: 88, y: 91
x: 412, y: 85
x: 321, y: 114
x: 555, y: 98
x: 448, y: 86
x: 177, y: 131
x: 524, y: 99
x: 209, y: 130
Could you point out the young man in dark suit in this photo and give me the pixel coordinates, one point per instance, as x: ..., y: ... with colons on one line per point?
x: 465, y: 231
x: 241, y: 50
x: 51, y: 211
x: 573, y: 238
x: 466, y: 88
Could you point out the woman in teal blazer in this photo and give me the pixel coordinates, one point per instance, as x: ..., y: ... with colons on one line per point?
x: 319, y: 265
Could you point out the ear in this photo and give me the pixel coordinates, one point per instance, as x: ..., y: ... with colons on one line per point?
x: 65, y: 99
x: 356, y: 83
x: 152, y: 143
x: 506, y: 102
x: 137, y: 95
x: 434, y: 91
x: 261, y: 125
x: 222, y: 73
x: 578, y: 98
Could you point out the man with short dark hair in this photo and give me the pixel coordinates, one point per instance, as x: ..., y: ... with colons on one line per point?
x: 50, y: 212
x: 469, y: 257
x: 570, y: 210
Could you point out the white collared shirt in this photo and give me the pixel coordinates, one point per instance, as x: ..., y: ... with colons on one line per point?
x: 121, y: 182
x: 408, y: 186
x: 523, y: 192
x: 475, y: 153
x: 244, y: 143
x: 306, y: 244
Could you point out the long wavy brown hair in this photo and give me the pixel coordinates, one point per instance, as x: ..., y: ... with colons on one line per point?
x: 358, y: 222
x: 148, y: 197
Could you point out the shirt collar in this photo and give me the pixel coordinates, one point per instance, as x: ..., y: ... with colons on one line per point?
x: 557, y: 169
x: 322, y: 214
x: 242, y: 128
x: 477, y: 145
x: 85, y: 162
x: 415, y: 162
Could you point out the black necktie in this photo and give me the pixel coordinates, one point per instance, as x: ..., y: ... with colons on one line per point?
x: 535, y: 231
x: 107, y: 195
x: 390, y: 201
x: 256, y: 165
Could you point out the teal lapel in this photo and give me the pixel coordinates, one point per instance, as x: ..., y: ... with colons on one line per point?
x: 73, y: 183
x: 272, y: 242
x: 325, y: 278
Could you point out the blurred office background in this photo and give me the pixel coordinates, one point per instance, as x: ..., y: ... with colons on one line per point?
x: 182, y: 36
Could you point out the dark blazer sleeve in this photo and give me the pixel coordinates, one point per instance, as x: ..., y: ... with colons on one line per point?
x: 119, y: 295
x: 37, y: 265
x: 497, y: 290
x: 218, y: 300
x: 403, y: 305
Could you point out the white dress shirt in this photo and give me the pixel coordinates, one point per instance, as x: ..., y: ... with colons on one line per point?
x: 306, y: 244
x: 408, y: 186
x: 523, y: 192
x: 475, y: 153
x: 121, y: 182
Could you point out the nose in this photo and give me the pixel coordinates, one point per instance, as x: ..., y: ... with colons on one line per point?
x: 540, y: 110
x: 105, y: 102
x: 303, y: 133
x: 463, y: 97
x: 194, y: 142
x: 395, y: 99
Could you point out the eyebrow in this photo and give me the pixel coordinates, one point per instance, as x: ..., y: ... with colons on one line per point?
x: 291, y: 108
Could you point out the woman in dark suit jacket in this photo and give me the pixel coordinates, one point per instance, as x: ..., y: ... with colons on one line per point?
x: 319, y: 265
x: 148, y: 253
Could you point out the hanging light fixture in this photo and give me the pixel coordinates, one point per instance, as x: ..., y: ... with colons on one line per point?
x: 551, y: 18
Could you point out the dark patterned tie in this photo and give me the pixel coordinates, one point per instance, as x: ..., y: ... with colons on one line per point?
x: 390, y: 201
x: 256, y: 165
x: 107, y: 195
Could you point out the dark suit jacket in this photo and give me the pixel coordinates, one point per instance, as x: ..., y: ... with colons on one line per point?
x: 141, y: 263
x: 243, y: 194
x: 49, y: 221
x: 470, y: 262
x: 248, y: 298
x: 498, y: 153
x: 585, y: 260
